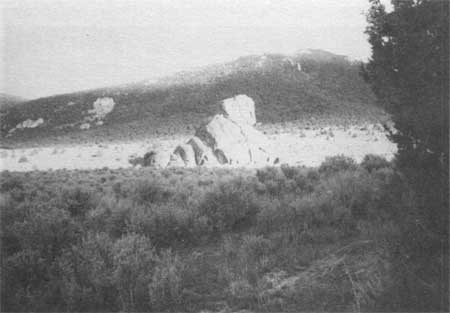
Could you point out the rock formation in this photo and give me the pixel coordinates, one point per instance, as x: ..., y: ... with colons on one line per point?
x: 239, y: 109
x: 101, y: 108
x: 29, y: 123
x: 227, y: 138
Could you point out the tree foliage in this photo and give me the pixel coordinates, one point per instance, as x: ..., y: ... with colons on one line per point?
x: 408, y: 70
x: 409, y: 73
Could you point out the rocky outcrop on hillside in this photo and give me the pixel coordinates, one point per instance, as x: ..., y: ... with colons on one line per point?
x: 227, y: 138
x: 101, y: 108
x: 29, y: 123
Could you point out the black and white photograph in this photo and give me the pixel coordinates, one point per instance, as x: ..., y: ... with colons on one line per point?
x: 224, y: 156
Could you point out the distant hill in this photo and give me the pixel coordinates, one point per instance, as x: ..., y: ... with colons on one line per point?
x: 6, y: 101
x: 311, y: 85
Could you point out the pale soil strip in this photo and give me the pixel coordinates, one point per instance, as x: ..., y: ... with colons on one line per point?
x: 293, y: 145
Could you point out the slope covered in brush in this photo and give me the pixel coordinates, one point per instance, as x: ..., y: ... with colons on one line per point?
x: 309, y: 85
x: 7, y: 100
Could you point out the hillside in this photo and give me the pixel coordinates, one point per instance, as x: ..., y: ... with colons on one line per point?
x: 310, y: 86
x: 6, y: 101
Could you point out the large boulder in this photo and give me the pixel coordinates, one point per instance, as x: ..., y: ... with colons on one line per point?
x: 261, y: 151
x: 156, y: 159
x: 101, y: 108
x: 186, y: 153
x: 236, y: 144
x: 175, y: 161
x: 152, y: 159
x: 227, y: 138
x: 239, y: 109
x: 203, y: 154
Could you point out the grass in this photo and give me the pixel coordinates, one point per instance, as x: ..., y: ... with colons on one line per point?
x: 196, y: 239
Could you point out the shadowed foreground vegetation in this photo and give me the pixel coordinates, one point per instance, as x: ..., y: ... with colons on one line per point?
x: 278, y: 239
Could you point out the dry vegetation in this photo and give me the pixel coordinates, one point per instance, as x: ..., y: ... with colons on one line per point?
x: 328, y: 90
x: 277, y: 239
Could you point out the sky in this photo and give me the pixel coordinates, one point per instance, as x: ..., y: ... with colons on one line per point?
x: 51, y: 47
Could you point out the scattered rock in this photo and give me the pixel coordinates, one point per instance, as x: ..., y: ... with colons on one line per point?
x: 85, y: 126
x: 157, y: 159
x: 102, y: 106
x: 29, y: 123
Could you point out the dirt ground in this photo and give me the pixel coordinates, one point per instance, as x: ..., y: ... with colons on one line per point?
x: 293, y: 144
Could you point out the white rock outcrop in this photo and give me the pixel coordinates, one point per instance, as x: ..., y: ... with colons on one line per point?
x: 227, y: 138
x: 101, y: 108
x: 186, y: 153
x: 239, y: 109
x: 29, y: 123
x: 203, y: 154
x: 85, y: 126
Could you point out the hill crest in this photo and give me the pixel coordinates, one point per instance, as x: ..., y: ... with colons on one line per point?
x: 312, y: 84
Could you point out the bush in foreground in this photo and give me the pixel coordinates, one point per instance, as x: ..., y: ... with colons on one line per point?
x: 197, y: 239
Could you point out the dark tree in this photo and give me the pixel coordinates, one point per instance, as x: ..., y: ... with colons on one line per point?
x: 409, y: 73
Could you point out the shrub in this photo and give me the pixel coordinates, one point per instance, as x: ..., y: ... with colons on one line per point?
x: 374, y: 162
x: 165, y: 288
x: 337, y: 163
x: 77, y: 201
x: 229, y: 207
x: 344, y: 195
x: 166, y: 224
x: 275, y: 180
x: 246, y: 258
x: 111, y: 216
x: 50, y: 265
x: 254, y: 254
x: 269, y: 173
x: 87, y: 274
x: 24, y: 277
x: 306, y: 180
x: 10, y: 182
x: 289, y: 171
x: 134, y: 263
x: 47, y: 229
x: 151, y: 191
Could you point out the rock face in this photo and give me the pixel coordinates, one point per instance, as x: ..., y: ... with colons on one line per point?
x: 85, y: 126
x: 101, y: 107
x: 239, y: 109
x: 203, y: 154
x: 151, y: 158
x: 26, y: 124
x: 227, y: 138
x: 186, y: 153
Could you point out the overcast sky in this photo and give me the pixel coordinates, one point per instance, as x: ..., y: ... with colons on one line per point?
x: 52, y: 47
